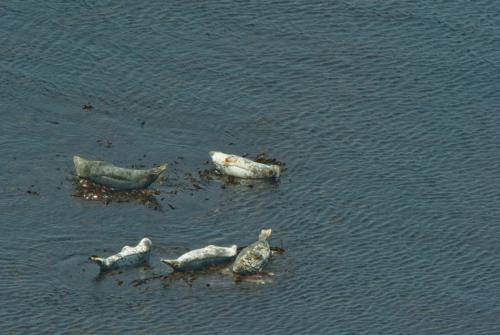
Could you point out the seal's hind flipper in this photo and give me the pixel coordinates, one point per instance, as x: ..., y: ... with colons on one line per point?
x: 98, y: 260
x: 171, y: 262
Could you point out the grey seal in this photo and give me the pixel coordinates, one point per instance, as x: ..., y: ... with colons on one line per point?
x: 116, y: 177
x: 200, y: 258
x: 253, y: 258
x: 241, y: 167
x: 127, y: 257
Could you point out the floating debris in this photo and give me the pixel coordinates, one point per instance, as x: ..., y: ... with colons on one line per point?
x: 187, y: 276
x: 209, y: 174
x: 193, y: 181
x: 105, y: 143
x: 32, y: 192
x: 87, y: 107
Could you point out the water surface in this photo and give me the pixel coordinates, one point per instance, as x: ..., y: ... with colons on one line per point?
x: 385, y: 113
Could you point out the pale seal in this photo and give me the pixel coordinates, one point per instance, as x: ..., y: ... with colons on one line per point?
x: 240, y: 167
x: 253, y: 258
x: 127, y: 257
x: 116, y: 177
x: 200, y: 258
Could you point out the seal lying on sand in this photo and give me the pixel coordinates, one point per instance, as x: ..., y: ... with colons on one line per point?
x: 200, y: 258
x: 237, y: 166
x: 127, y: 257
x: 116, y: 177
x: 253, y: 258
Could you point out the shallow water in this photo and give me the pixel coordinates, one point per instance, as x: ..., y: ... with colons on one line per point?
x: 385, y: 113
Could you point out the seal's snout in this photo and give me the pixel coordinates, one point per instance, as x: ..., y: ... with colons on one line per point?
x: 217, y: 157
x: 160, y: 169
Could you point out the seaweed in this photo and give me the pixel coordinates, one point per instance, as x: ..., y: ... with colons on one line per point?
x: 89, y: 190
x: 87, y: 107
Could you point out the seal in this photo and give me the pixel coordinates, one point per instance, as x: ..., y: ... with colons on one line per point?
x: 115, y: 177
x: 253, y: 258
x: 127, y: 257
x: 200, y: 258
x: 241, y: 167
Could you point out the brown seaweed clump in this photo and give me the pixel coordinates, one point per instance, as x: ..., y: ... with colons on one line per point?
x: 189, y: 277
x: 211, y: 174
x: 89, y: 190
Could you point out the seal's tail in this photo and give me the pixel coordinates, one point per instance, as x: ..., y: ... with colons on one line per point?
x: 172, y: 262
x: 98, y: 260
x: 264, y: 234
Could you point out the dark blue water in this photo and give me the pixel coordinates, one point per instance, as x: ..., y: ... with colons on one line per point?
x: 386, y: 114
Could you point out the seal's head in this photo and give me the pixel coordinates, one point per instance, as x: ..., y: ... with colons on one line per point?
x: 218, y: 157
x: 264, y: 234
x: 160, y: 169
x: 81, y: 166
x: 146, y: 242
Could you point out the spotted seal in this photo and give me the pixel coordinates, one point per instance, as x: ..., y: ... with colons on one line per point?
x: 200, y: 258
x: 241, y: 167
x: 116, y: 177
x: 253, y: 258
x: 127, y: 257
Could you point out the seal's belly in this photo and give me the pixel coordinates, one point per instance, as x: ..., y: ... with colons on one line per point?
x: 129, y: 260
x: 237, y: 171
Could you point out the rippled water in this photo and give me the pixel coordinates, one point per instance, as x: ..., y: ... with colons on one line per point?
x: 385, y: 113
